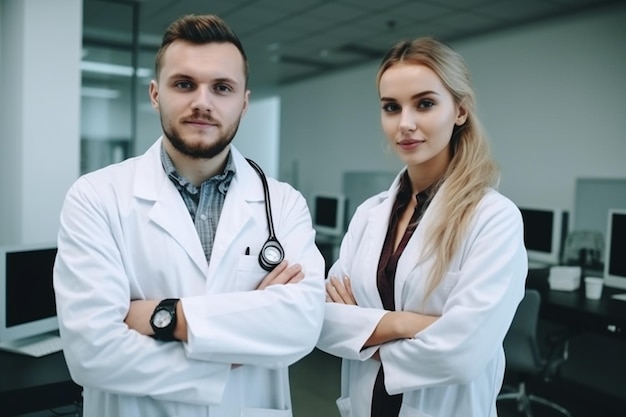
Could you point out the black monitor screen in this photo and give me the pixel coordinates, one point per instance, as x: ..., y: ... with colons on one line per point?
x: 326, y: 211
x: 617, y: 256
x: 538, y: 229
x: 29, y: 290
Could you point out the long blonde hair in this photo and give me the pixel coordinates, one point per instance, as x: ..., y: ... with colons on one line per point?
x: 472, y: 170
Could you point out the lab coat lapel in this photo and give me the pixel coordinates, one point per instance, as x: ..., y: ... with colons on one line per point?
x: 244, y: 188
x: 375, y: 232
x: 168, y: 211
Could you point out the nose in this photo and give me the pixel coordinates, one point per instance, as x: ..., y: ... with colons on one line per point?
x: 408, y: 121
x: 202, y: 99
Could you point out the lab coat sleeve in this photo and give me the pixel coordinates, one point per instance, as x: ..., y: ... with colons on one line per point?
x: 478, y: 311
x: 92, y: 297
x: 347, y: 327
x: 274, y: 327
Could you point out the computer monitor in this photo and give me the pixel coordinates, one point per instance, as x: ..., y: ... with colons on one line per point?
x: 329, y: 212
x: 28, y: 309
x: 545, y: 230
x: 615, y: 255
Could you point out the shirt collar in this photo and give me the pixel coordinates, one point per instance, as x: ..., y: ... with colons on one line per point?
x: 406, y: 190
x: 222, y: 180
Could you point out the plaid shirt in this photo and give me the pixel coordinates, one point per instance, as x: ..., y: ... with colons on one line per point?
x: 204, y: 203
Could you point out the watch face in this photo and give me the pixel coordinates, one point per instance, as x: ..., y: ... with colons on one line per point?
x: 162, y: 319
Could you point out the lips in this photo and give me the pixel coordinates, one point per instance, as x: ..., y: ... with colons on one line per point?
x: 409, y: 144
x: 201, y: 122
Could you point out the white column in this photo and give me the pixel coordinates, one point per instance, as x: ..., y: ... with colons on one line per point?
x: 40, y: 53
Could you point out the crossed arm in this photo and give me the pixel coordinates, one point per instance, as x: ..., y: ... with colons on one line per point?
x: 139, y: 312
x: 394, y: 325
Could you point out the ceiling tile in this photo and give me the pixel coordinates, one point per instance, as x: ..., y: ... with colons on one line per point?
x: 375, y: 5
x: 463, y: 4
x: 513, y: 10
x: 291, y: 6
x: 336, y: 12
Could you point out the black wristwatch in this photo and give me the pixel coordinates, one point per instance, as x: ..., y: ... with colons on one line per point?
x: 163, y: 320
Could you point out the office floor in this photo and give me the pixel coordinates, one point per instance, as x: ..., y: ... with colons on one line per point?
x: 315, y: 386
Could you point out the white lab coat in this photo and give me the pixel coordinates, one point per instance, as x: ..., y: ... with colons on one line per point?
x: 455, y: 367
x: 126, y: 234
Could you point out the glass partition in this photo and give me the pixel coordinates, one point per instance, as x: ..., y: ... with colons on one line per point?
x: 114, y: 83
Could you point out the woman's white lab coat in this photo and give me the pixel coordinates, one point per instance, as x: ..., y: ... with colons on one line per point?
x: 455, y: 367
x: 126, y: 234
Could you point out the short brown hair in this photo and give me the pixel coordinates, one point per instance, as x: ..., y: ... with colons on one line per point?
x: 199, y: 29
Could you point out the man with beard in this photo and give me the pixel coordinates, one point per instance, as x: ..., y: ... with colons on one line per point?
x: 165, y: 303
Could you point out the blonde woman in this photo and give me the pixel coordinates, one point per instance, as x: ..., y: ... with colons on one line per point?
x: 431, y: 271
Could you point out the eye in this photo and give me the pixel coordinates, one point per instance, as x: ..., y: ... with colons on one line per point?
x: 223, y: 88
x: 390, y: 107
x: 183, y: 85
x: 425, y: 104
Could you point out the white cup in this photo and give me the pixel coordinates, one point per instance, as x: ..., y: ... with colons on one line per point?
x: 593, y: 287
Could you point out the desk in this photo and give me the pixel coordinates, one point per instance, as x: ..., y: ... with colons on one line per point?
x: 606, y: 315
x: 30, y: 384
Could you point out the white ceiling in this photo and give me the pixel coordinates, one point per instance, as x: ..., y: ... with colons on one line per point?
x: 289, y: 40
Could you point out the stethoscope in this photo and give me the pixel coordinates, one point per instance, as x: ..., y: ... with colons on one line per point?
x: 272, y: 252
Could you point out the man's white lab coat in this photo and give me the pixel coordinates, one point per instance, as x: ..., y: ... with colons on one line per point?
x: 126, y: 234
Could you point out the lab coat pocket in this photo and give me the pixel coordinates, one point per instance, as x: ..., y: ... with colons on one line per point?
x: 264, y: 412
x: 249, y: 273
x: 408, y: 411
x: 345, y: 409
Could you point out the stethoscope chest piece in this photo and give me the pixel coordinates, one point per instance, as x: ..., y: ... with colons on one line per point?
x: 271, y: 254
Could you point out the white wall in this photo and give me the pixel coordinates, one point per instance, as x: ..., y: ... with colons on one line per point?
x: 40, y: 110
x: 258, y: 136
x: 329, y: 125
x: 550, y: 95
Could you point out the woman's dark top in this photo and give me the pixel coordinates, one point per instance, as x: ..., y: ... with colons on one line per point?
x: 383, y: 404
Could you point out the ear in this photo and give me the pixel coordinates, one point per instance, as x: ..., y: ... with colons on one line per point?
x: 246, y: 102
x: 461, y: 116
x: 153, y: 92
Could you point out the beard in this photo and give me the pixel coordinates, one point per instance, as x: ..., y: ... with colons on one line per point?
x: 200, y: 150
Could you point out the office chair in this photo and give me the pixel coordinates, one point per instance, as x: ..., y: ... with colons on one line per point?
x: 524, y: 358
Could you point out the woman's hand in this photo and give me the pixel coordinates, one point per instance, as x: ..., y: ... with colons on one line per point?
x: 395, y: 325
x: 340, y: 291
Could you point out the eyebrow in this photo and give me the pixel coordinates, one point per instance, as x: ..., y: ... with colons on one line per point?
x: 226, y: 80
x: 413, y: 97
x: 219, y: 80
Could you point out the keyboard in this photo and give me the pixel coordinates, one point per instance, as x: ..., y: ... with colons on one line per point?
x: 36, y: 346
x: 538, y: 265
x: 621, y: 297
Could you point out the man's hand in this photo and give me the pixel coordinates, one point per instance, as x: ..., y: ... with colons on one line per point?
x: 340, y: 291
x: 282, y: 274
x: 139, y: 314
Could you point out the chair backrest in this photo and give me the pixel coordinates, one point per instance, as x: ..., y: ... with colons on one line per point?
x: 520, y: 343
x: 527, y: 314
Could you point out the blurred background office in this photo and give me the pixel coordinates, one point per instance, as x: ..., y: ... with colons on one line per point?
x: 549, y: 74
